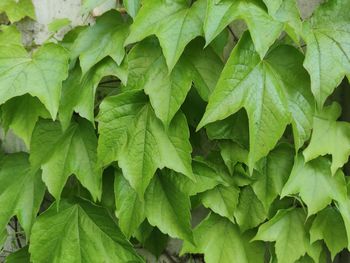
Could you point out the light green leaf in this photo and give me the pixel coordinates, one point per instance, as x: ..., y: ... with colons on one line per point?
x: 89, y: 5
x: 129, y: 208
x: 328, y: 29
x: 63, y: 153
x: 21, y: 191
x: 330, y: 136
x: 167, y: 207
x: 222, y: 200
x: 78, y: 92
x: 47, y: 67
x: 272, y: 96
x: 287, y: 229
x: 175, y: 23
x: 329, y: 226
x: 132, y: 6
x: 58, y: 24
x: 221, y: 242
x: 272, y: 173
x: 315, y: 183
x: 20, y: 114
x: 17, y: 9
x: 232, y: 153
x: 105, y: 38
x: 82, y: 232
x: 263, y: 28
x: 344, y: 209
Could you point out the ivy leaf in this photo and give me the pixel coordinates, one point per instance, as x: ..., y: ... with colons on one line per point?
x: 129, y: 208
x: 21, y: 191
x: 268, y: 91
x: 329, y: 225
x: 272, y: 173
x: 89, y: 5
x: 287, y: 229
x: 167, y: 207
x: 78, y: 92
x: 175, y: 23
x: 105, y: 38
x: 263, y: 28
x: 328, y: 29
x: 132, y: 6
x: 83, y: 233
x: 221, y: 241
x: 20, y: 114
x: 47, y: 68
x: 140, y: 142
x: 16, y: 10
x: 63, y: 153
x: 330, y: 136
x: 315, y: 183
x: 344, y: 209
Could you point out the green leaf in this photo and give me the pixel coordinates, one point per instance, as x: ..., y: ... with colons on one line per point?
x: 105, y: 38
x: 47, y: 67
x: 272, y: 173
x: 315, y: 184
x: 132, y: 7
x: 21, y: 191
x: 330, y: 136
x: 287, y: 229
x: 20, y: 256
x: 82, y: 232
x: 272, y: 96
x: 232, y: 154
x: 140, y: 142
x: 129, y: 208
x: 221, y: 241
x: 20, y: 114
x: 79, y: 91
x: 167, y: 207
x: 89, y: 5
x: 16, y: 10
x: 344, y: 209
x: 58, y: 24
x: 328, y: 29
x: 63, y: 153
x: 173, y: 22
x: 263, y: 28
x: 329, y: 225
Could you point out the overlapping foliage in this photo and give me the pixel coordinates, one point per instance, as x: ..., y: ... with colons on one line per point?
x: 137, y: 121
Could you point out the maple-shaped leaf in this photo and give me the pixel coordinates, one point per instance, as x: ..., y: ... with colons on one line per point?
x: 47, y: 67
x: 175, y: 23
x: 220, y: 240
x: 167, y: 207
x: 20, y: 114
x: 315, y: 184
x: 329, y: 136
x: 17, y: 9
x: 287, y: 229
x: 79, y: 231
x: 21, y: 191
x: 274, y: 92
x: 262, y: 27
x: 105, y: 38
x: 327, y: 29
x: 329, y: 226
x: 139, y: 140
x: 78, y: 91
x: 64, y: 153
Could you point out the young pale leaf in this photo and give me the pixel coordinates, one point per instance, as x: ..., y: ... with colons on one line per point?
x: 17, y: 9
x: 21, y: 191
x: 63, y: 153
x: 129, y: 208
x: 175, y: 23
x: 263, y: 28
x: 328, y: 29
x: 330, y: 136
x: 271, y: 95
x: 47, y: 68
x: 105, y: 38
x: 221, y: 241
x: 132, y: 6
x: 78, y: 92
x: 79, y: 232
x: 315, y: 183
x: 329, y: 226
x: 167, y: 207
